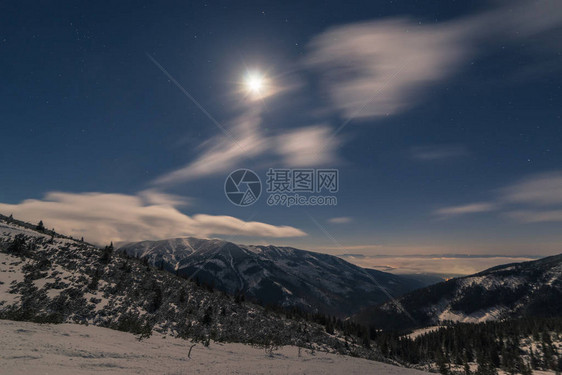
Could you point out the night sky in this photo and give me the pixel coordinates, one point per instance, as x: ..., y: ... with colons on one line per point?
x: 121, y: 120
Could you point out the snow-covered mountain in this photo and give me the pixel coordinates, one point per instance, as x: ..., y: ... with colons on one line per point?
x: 46, y: 277
x: 50, y: 278
x: 512, y: 290
x: 275, y: 275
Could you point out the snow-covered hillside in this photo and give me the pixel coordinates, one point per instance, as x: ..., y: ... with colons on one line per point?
x: 48, y: 278
x: 275, y: 275
x: 70, y: 349
x: 519, y: 289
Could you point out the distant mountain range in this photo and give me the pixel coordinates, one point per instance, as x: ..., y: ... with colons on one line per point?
x: 513, y: 290
x: 276, y: 275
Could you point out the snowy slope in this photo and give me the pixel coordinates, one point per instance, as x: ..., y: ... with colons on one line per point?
x: 275, y: 275
x: 49, y: 278
x: 512, y: 290
x: 68, y: 349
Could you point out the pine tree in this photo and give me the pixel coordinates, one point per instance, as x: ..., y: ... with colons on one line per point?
x: 485, y: 366
x: 547, y: 351
x: 40, y: 227
x: 525, y: 369
x: 106, y: 254
x: 145, y: 331
x: 441, y: 363
x: 93, y: 285
x: 182, y: 296
x: 330, y: 327
x: 366, y: 339
x: 533, y: 360
x: 18, y: 245
x: 208, y: 317
x: 466, y: 366
x: 156, y: 301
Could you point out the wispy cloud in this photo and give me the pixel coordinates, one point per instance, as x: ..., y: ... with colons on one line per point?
x: 222, y: 154
x: 155, y: 197
x: 471, y: 208
x: 103, y: 217
x: 438, y: 152
x: 307, y: 146
x: 377, y: 68
x: 535, y: 198
x: 536, y: 216
x: 541, y: 189
x: 541, y: 196
x: 340, y: 220
x: 382, y: 68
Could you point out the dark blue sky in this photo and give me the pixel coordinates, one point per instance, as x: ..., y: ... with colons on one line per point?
x: 457, y: 149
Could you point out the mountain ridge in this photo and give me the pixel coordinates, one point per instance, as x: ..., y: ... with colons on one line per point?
x: 280, y: 275
x: 50, y: 278
x: 532, y: 288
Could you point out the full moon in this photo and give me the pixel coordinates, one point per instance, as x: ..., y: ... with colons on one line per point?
x: 255, y: 85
